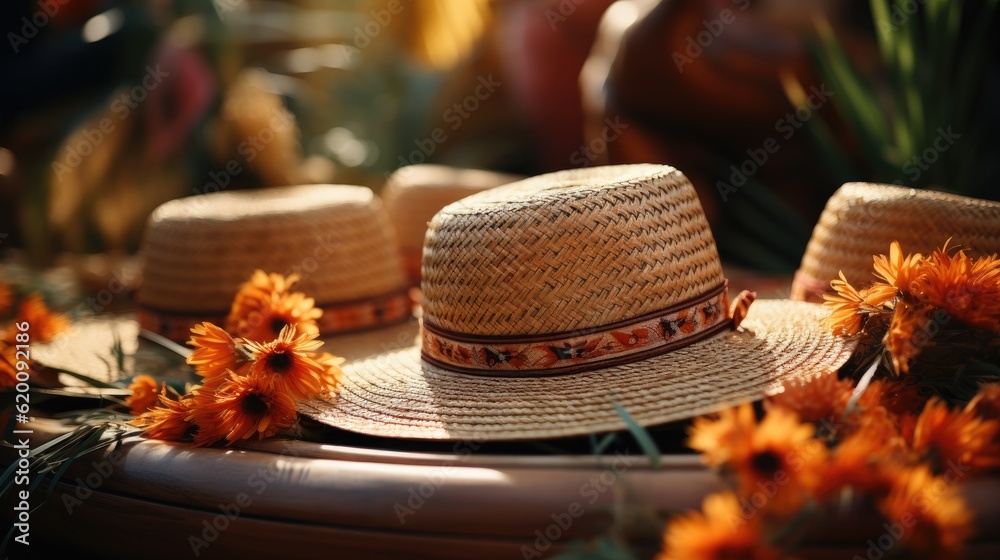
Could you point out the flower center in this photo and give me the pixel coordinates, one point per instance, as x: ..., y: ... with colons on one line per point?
x: 277, y: 324
x: 254, y: 405
x: 279, y: 362
x: 766, y: 462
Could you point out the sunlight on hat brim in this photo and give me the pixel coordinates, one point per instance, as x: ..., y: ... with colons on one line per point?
x: 361, y: 345
x: 396, y: 394
x: 88, y: 348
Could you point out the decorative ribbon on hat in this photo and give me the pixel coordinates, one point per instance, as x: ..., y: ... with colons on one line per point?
x: 338, y: 318
x: 604, y: 346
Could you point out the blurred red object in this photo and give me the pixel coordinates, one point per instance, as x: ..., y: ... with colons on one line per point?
x: 544, y: 44
x: 698, y: 84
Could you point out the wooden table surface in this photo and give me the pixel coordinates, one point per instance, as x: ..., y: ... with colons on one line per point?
x: 300, y: 499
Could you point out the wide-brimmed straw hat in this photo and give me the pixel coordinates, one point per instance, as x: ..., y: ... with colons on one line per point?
x: 413, y: 194
x: 548, y: 301
x: 862, y: 219
x: 198, y: 250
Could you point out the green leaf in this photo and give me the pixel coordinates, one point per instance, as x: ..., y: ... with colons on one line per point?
x: 86, y: 379
x: 852, y: 94
x: 599, y: 447
x: 641, y: 436
x: 601, y: 548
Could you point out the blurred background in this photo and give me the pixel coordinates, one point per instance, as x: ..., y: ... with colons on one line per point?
x: 110, y: 107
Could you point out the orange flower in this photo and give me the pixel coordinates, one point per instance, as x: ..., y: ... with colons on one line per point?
x: 44, y: 324
x: 780, y: 460
x: 866, y: 460
x: 967, y: 290
x: 716, y: 436
x: 908, y: 334
x: 927, y: 515
x: 215, y: 353
x: 290, y: 363
x: 778, y: 457
x: 262, y: 285
x: 331, y: 369
x: 145, y: 394
x: 266, y: 303
x: 954, y: 439
x: 879, y: 294
x: 898, y: 397
x: 821, y: 399
x: 986, y: 403
x: 167, y: 421
x: 240, y: 408
x: 845, y: 307
x: 898, y: 271
x: 718, y: 532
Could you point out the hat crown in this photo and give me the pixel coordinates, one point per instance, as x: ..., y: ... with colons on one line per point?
x: 863, y: 219
x: 337, y: 238
x: 566, y: 251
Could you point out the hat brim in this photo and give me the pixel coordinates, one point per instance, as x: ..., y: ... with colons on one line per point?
x: 382, y: 340
x: 397, y: 394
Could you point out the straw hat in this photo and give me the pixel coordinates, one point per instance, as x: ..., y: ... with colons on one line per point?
x: 413, y: 194
x: 547, y: 301
x: 862, y: 219
x: 198, y: 250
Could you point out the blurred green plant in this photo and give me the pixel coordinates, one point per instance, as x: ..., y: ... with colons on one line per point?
x: 918, y: 120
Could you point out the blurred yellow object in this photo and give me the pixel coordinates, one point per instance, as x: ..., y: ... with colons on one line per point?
x: 255, y: 129
x: 440, y: 33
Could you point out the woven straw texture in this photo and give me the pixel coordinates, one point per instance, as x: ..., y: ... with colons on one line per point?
x: 566, y: 251
x: 413, y: 194
x: 396, y: 394
x: 198, y: 250
x: 863, y: 219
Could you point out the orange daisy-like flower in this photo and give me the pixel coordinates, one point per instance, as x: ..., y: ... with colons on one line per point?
x: 865, y: 460
x: 145, y: 394
x: 718, y: 532
x: 954, y: 439
x: 969, y: 291
x: 240, y: 408
x: 849, y: 306
x: 779, y: 457
x: 879, y: 295
x: 261, y: 320
x: 780, y: 461
x: 896, y: 270
x: 908, y: 334
x: 169, y: 421
x: 716, y: 436
x: 263, y: 285
x: 926, y: 515
x: 898, y: 397
x: 290, y: 363
x: 331, y: 369
x: 215, y: 353
x: 845, y: 307
x: 820, y: 400
x: 44, y: 324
